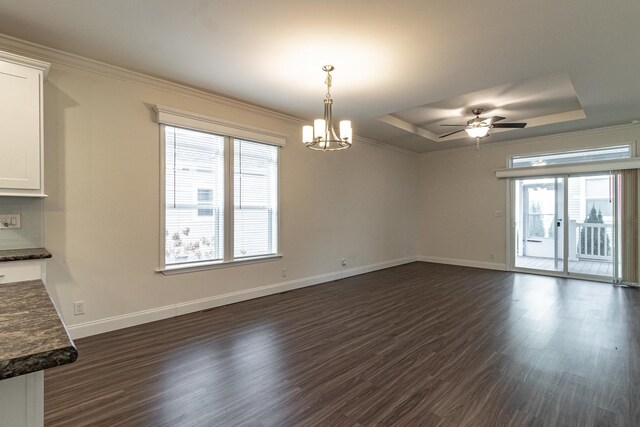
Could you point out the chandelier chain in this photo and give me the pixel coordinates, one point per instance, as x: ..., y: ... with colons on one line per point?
x: 327, y: 81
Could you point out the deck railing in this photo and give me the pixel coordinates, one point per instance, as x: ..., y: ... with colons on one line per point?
x: 594, y: 241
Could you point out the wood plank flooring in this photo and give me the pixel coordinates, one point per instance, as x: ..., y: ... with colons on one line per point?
x: 415, y: 345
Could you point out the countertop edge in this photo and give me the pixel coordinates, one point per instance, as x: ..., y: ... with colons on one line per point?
x: 9, y: 255
x: 37, y: 362
x: 34, y: 323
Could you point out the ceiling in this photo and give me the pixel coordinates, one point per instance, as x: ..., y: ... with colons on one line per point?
x: 390, y: 56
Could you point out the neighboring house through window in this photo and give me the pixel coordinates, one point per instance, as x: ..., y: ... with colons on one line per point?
x: 205, y: 202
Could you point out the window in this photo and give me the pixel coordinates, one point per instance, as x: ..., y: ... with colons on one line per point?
x: 571, y: 157
x: 193, y: 160
x: 255, y: 199
x: 221, y: 193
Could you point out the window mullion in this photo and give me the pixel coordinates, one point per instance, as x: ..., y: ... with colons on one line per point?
x: 228, y: 199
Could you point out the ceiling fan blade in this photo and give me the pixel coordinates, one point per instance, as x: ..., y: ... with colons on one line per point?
x: 454, y: 125
x: 493, y: 119
x: 451, y: 133
x: 510, y: 125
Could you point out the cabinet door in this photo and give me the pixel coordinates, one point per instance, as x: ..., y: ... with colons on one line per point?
x: 20, y: 107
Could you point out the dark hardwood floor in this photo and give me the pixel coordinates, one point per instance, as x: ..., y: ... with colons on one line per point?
x: 419, y: 344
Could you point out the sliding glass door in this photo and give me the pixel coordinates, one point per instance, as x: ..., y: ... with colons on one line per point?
x: 539, y: 212
x: 592, y: 214
x: 580, y: 210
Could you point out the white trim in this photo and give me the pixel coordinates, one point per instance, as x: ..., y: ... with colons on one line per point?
x: 78, y: 62
x: 622, y: 283
x: 25, y: 61
x: 606, y: 145
x: 60, y: 57
x: 538, y: 139
x: 185, y: 119
x: 21, y: 193
x: 561, y: 275
x: 228, y: 223
x: 464, y: 262
x: 35, y: 398
x: 571, y: 168
x: 95, y: 327
x: 162, y: 197
x: 63, y: 58
x: 511, y: 224
x: 382, y: 145
x: 213, y: 265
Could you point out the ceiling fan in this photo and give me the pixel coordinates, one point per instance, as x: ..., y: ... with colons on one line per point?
x: 478, y: 127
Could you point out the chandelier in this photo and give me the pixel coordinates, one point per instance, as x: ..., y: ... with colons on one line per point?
x: 322, y: 136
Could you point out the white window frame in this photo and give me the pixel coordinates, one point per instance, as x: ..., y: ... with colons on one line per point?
x: 631, y: 162
x: 179, y: 118
x: 590, y: 167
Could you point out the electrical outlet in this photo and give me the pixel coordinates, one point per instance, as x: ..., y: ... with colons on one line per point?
x: 10, y: 221
x: 344, y: 262
x: 78, y: 308
x: 284, y: 272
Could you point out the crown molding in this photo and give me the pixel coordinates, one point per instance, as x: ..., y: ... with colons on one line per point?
x: 385, y: 146
x: 29, y: 62
x: 554, y: 137
x: 59, y: 57
x: 17, y: 46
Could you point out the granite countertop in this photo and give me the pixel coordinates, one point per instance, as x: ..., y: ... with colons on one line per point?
x: 32, y: 336
x: 23, y: 254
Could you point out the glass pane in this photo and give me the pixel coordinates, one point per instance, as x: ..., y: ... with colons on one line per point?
x: 194, y: 197
x: 539, y: 232
x: 591, y: 226
x: 598, y: 154
x: 255, y: 199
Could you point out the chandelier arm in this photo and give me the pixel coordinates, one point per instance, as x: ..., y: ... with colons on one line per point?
x: 329, y: 130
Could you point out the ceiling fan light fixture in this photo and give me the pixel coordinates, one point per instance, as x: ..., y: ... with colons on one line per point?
x: 478, y: 131
x: 322, y: 135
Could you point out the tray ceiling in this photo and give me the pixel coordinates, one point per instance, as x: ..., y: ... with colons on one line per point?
x: 389, y: 56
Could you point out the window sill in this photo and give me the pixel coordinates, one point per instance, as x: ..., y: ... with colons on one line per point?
x: 203, y: 266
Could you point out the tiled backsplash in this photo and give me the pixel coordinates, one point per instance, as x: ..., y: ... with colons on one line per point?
x: 30, y: 234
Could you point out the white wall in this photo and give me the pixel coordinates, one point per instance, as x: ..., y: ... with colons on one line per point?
x: 459, y: 194
x: 102, y: 214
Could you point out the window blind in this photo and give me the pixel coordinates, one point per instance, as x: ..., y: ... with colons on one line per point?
x: 194, y: 196
x: 255, y: 199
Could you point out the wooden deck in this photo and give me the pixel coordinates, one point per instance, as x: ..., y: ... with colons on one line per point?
x: 592, y: 268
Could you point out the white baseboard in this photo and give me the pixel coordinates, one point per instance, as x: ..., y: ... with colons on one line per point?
x: 137, y: 318
x: 464, y: 262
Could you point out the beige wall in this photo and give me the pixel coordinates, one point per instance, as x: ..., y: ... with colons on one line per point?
x: 459, y: 194
x: 102, y: 214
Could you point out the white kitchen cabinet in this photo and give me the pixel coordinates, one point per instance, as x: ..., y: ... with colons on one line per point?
x: 21, y: 125
x: 22, y: 401
x: 18, y: 271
